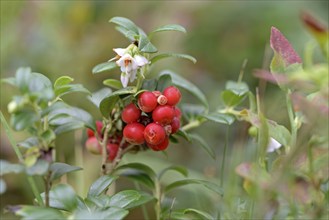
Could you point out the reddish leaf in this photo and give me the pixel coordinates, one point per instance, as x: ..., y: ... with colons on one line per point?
x: 284, y: 54
x: 312, y: 23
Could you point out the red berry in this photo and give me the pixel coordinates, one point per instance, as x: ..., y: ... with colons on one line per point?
x: 162, y: 146
x: 175, y: 125
x: 130, y: 113
x: 99, y: 127
x: 147, y: 101
x: 112, y: 150
x: 173, y: 95
x: 93, y: 146
x: 163, y: 114
x: 90, y: 132
x: 178, y: 112
x: 154, y: 134
x: 134, y: 133
x: 157, y: 93
x: 162, y: 100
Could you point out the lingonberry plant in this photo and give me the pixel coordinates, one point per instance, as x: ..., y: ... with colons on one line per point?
x: 288, y: 177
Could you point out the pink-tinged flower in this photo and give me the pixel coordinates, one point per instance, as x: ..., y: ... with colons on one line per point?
x: 273, y: 145
x: 129, y: 65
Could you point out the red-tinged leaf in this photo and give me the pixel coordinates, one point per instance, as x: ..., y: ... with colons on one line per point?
x: 268, y: 76
x: 284, y: 54
x: 318, y: 30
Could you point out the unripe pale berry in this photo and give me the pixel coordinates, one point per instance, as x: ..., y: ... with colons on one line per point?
x: 159, y: 147
x: 130, y: 113
x: 154, y: 134
x: 112, y: 151
x: 134, y: 133
x: 147, y: 101
x: 163, y: 114
x: 162, y: 100
x: 93, y: 146
x: 173, y: 95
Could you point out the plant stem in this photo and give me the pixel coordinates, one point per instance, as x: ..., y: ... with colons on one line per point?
x: 20, y: 158
x: 104, y: 150
x: 145, y: 214
x: 291, y: 116
x: 47, y: 188
x: 192, y: 124
x: 157, y: 195
x: 224, y: 158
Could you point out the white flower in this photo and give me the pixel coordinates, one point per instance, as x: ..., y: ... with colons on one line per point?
x: 129, y: 65
x: 273, y: 145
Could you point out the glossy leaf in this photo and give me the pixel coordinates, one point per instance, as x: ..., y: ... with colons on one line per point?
x: 170, y: 27
x: 220, y: 118
x: 125, y: 23
x: 74, y: 125
x: 23, y: 119
x: 100, y: 185
x: 138, y: 166
x: 7, y: 167
x: 178, y: 169
x: 199, y: 213
x: 67, y: 89
x: 39, y: 168
x: 183, y: 83
x: 129, y: 199
x: 174, y: 55
x: 28, y: 212
x: 104, y: 67
x: 116, y: 84
x: 22, y: 77
x: 231, y: 99
x: 98, y: 96
x: 144, y: 44
x: 62, y: 196
x: 48, y: 136
x: 209, y: 185
x: 110, y: 213
x: 183, y: 134
x: 284, y: 54
x: 203, y: 144
x: 63, y: 80
x: 127, y: 33
x: 150, y: 84
x: 163, y: 82
x: 59, y: 169
x: 238, y: 88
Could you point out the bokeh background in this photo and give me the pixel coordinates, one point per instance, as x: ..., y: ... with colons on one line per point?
x: 70, y: 37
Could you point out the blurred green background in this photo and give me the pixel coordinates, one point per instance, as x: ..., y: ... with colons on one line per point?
x: 70, y: 37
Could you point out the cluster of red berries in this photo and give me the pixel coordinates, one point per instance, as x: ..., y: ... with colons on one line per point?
x: 94, y: 147
x: 153, y: 119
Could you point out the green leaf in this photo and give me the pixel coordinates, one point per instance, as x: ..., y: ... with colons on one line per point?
x: 132, y: 36
x: 63, y: 80
x: 183, y: 83
x: 279, y: 132
x: 231, y: 99
x: 203, y: 144
x: 69, y: 127
x: 108, y: 103
x: 59, y: 169
x: 284, y: 54
x: 107, y: 214
x: 139, y: 172
x: 22, y: 77
x: 23, y: 119
x: 98, y: 96
x: 170, y: 27
x: 6, y: 167
x: 125, y: 23
x: 116, y: 84
x: 183, y: 134
x: 104, y: 67
x: 200, y: 214
x: 175, y: 55
x: 179, y: 169
x: 220, y: 118
x: 150, y: 84
x: 209, y: 185
x: 29, y: 142
x: 48, y: 136
x: 238, y: 88
x: 163, y: 82
x: 36, y: 212
x: 67, y: 89
x: 10, y: 81
x: 129, y: 199
x: 100, y: 185
x: 144, y: 43
x: 263, y: 135
x: 62, y: 196
x: 39, y: 168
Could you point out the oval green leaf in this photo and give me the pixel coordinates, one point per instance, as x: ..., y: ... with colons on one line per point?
x: 104, y: 67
